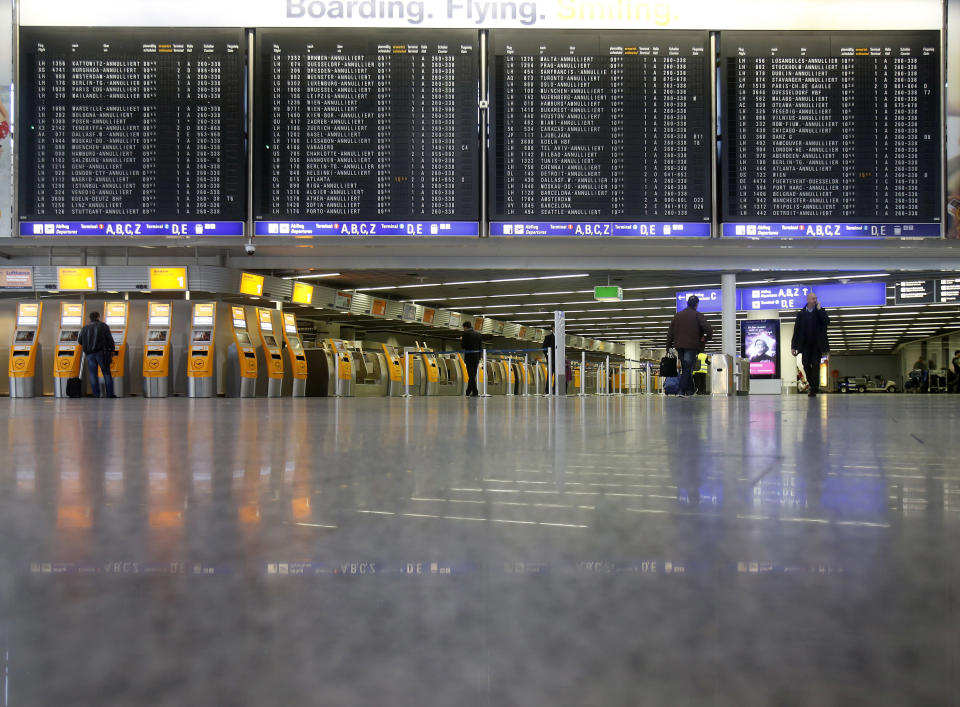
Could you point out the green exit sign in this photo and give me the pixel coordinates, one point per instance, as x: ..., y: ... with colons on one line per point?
x: 608, y: 294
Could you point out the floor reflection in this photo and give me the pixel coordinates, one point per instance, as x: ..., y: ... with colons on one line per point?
x: 663, y: 528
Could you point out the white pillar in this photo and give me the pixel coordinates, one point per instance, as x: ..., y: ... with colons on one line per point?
x: 728, y: 317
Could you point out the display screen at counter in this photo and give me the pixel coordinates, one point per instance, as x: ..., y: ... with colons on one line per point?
x: 599, y: 127
x: 366, y: 125
x: 127, y: 124
x: 825, y: 134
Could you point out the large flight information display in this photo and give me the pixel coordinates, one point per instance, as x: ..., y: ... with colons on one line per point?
x: 831, y: 134
x: 367, y: 132
x: 131, y: 132
x: 600, y: 133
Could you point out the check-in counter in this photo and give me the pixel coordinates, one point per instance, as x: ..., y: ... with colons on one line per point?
x: 116, y: 314
x: 156, y: 351
x: 331, y: 370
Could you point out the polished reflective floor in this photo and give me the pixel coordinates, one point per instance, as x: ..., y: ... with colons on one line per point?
x: 509, y: 551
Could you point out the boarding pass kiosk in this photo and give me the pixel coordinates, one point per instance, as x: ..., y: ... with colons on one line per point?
x: 68, y: 360
x: 340, y: 372
x: 242, y: 369
x: 201, y: 381
x: 25, y: 359
x: 394, y: 363
x: 298, y: 360
x: 272, y: 353
x: 156, y: 351
x: 117, y: 315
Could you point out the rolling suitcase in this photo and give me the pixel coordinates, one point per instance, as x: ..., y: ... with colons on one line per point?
x: 671, y: 385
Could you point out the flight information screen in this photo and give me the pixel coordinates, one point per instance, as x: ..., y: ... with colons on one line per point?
x: 600, y: 133
x: 131, y: 132
x: 831, y: 135
x: 367, y: 132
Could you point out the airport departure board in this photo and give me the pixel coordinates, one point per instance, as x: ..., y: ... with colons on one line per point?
x: 367, y: 132
x: 131, y: 132
x: 831, y: 134
x: 600, y: 133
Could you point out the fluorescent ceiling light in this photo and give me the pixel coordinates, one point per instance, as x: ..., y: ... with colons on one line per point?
x: 312, y: 276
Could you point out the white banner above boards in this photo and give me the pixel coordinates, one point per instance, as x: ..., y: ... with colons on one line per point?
x: 487, y: 14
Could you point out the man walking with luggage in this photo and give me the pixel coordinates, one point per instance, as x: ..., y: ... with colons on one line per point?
x: 471, y: 343
x: 689, y: 333
x: 97, y: 343
x: 810, y: 340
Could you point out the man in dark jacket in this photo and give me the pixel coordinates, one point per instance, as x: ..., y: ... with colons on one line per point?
x: 472, y: 344
x: 97, y: 343
x: 810, y: 340
x: 689, y: 333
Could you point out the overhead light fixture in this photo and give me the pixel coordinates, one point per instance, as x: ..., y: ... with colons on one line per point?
x: 312, y: 276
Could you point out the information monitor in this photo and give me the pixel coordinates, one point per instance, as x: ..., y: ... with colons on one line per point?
x: 831, y: 134
x: 131, y: 132
x: 600, y: 133
x: 367, y: 132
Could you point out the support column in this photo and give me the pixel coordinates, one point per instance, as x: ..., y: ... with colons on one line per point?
x: 560, y: 359
x: 728, y: 317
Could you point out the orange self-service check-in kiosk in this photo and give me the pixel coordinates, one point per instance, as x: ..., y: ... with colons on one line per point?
x: 242, y: 368
x: 68, y: 360
x: 116, y: 315
x: 156, y: 351
x: 298, y: 360
x: 272, y: 353
x: 396, y: 386
x: 25, y: 359
x: 201, y: 358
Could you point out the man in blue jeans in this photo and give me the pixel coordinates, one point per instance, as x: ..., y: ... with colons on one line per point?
x: 97, y: 343
x: 689, y: 333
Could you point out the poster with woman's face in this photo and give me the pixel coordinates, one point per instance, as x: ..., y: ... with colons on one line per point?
x: 760, y: 344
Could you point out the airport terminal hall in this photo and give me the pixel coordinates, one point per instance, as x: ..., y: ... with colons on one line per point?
x: 480, y: 353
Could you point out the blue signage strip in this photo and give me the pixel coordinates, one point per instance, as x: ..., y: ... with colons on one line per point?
x: 131, y: 228
x: 710, y: 300
x: 852, y: 294
x: 831, y: 230
x: 366, y: 228
x: 648, y: 229
x: 792, y: 296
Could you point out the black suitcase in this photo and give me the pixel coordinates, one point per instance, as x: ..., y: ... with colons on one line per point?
x: 74, y: 388
x: 668, y: 367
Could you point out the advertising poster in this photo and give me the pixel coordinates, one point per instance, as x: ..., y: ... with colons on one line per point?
x: 760, y: 344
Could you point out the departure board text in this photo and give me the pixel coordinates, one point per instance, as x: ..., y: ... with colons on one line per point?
x: 830, y: 134
x: 137, y: 131
x: 600, y: 133
x: 365, y: 132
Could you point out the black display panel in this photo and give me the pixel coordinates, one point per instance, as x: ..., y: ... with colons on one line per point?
x: 131, y: 132
x: 831, y: 134
x: 367, y: 132
x: 600, y: 133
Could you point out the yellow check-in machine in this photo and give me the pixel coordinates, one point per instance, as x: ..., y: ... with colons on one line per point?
x: 430, y: 378
x: 394, y: 365
x: 117, y: 316
x: 156, y: 351
x: 242, y: 369
x: 201, y: 356
x: 68, y: 360
x: 25, y: 355
x: 272, y: 353
x: 298, y: 360
x: 340, y: 369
